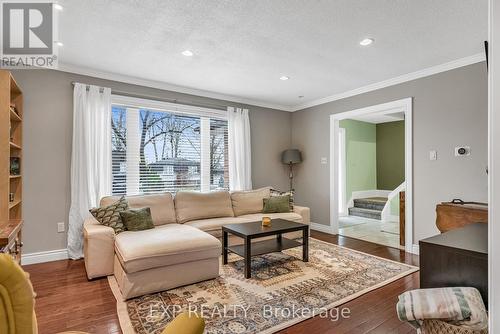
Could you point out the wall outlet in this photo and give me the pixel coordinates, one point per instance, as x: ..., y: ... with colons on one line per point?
x: 433, y: 155
x: 60, y: 227
x: 462, y: 151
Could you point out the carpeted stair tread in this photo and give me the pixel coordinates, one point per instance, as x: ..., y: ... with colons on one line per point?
x: 366, y: 213
x: 372, y: 203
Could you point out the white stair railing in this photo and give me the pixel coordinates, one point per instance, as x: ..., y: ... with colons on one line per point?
x: 386, y: 212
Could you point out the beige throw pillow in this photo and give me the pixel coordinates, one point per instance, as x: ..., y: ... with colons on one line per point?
x: 190, y: 205
x: 251, y: 201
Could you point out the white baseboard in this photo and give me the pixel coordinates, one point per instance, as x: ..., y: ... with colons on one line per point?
x: 322, y: 228
x: 62, y: 254
x: 47, y: 256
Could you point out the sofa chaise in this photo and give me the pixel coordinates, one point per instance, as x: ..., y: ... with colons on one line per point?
x: 183, y: 248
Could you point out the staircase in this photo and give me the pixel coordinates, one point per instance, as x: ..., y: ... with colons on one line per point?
x: 370, y: 207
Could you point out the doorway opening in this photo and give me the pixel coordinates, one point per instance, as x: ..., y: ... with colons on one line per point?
x: 370, y: 174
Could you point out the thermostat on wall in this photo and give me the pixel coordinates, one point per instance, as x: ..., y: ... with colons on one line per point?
x: 462, y: 151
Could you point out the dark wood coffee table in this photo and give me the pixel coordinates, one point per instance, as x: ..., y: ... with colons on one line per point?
x: 254, y: 230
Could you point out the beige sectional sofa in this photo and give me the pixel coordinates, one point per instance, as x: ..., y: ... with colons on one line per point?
x: 183, y: 248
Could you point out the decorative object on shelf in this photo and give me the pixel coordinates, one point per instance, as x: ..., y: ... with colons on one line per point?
x: 291, y: 157
x: 266, y: 221
x: 15, y: 166
x: 11, y: 197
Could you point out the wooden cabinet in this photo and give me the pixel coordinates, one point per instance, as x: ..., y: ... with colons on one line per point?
x: 11, y: 164
x: 456, y: 258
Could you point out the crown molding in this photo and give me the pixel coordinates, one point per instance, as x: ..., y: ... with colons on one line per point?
x: 63, y: 67
x: 69, y: 68
x: 396, y: 80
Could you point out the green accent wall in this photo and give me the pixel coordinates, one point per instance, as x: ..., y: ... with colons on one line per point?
x: 375, y: 157
x: 361, y: 155
x: 390, y: 155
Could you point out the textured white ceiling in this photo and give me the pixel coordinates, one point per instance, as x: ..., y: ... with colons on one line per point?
x: 243, y: 47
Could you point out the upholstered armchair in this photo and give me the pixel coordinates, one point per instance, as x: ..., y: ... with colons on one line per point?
x: 17, y: 299
x: 17, y: 305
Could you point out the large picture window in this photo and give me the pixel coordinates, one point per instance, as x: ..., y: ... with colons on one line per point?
x: 164, y: 147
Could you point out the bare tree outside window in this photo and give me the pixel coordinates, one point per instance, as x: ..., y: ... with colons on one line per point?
x: 169, y: 152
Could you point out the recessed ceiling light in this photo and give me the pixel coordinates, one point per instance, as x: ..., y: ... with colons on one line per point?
x: 284, y: 77
x: 58, y: 6
x: 59, y: 43
x: 187, y: 53
x: 366, y: 41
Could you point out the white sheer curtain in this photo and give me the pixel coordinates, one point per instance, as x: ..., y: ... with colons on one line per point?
x: 90, y: 158
x: 240, y: 153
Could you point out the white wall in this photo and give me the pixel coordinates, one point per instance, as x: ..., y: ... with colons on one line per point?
x: 494, y: 167
x: 48, y: 110
x: 449, y: 109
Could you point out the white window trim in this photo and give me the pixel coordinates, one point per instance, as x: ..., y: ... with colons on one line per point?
x: 139, y: 103
x: 205, y: 154
x: 133, y: 141
x: 133, y: 105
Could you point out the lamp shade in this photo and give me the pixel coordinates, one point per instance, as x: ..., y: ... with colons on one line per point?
x: 292, y: 156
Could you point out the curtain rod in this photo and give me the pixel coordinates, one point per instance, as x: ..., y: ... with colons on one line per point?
x: 163, y: 99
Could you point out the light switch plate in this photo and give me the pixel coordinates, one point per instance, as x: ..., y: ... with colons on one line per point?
x: 60, y: 227
x: 433, y: 155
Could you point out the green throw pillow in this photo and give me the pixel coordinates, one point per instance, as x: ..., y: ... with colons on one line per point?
x: 277, y: 204
x: 110, y: 215
x: 137, y: 219
x: 290, y: 193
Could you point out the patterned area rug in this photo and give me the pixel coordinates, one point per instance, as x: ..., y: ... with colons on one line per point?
x: 283, y: 291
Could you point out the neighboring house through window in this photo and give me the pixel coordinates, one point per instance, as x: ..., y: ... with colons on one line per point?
x: 166, y: 147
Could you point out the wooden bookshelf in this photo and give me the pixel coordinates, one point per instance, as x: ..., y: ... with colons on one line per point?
x: 11, y: 144
x: 15, y: 146
x: 10, y: 237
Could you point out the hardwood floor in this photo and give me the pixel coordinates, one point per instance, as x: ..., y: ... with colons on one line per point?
x: 66, y: 300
